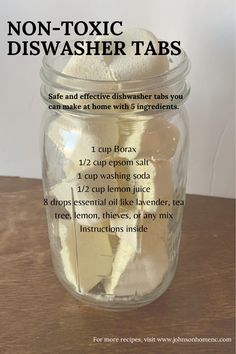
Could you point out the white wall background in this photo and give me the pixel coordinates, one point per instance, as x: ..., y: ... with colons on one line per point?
x: 206, y: 31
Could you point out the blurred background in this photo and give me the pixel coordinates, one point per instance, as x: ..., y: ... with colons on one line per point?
x: 206, y: 29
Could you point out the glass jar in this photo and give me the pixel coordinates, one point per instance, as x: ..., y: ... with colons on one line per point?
x: 114, y: 182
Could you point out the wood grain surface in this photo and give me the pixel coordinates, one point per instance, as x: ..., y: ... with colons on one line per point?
x: 39, y: 316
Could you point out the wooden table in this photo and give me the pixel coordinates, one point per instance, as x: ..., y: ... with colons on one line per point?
x: 39, y: 316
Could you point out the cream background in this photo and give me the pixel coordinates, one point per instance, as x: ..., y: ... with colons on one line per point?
x: 206, y: 30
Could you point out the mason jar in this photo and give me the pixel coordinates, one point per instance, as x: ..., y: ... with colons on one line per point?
x: 114, y: 163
